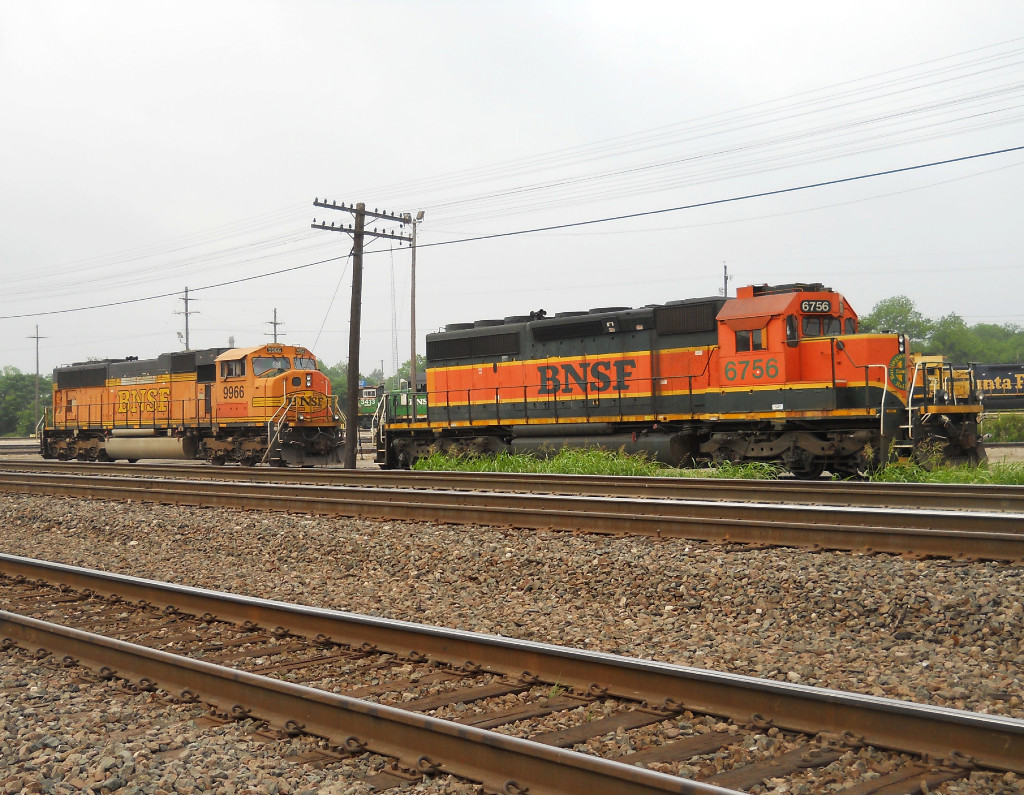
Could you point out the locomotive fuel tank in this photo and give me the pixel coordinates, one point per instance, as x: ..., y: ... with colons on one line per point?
x: 136, y: 444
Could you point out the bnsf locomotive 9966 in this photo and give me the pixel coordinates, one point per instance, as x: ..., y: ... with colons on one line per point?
x: 247, y: 405
x: 777, y: 374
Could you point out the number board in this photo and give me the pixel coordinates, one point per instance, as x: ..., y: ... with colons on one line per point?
x: 816, y: 307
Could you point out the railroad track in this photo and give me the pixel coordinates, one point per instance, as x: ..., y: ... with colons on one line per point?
x: 19, y: 448
x: 505, y: 713
x: 959, y: 497
x: 954, y: 534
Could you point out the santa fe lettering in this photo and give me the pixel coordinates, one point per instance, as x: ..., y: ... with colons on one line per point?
x: 561, y: 380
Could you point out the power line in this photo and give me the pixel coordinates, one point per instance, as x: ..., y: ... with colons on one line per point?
x: 534, y: 230
x: 883, y: 88
x: 714, y: 202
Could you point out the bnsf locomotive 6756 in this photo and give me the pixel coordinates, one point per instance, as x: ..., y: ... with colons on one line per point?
x: 777, y: 374
x: 247, y: 405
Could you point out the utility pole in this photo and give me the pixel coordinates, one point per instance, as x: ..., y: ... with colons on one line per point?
x: 407, y: 217
x: 358, y: 232
x: 36, y: 337
x: 275, y: 324
x: 186, y: 313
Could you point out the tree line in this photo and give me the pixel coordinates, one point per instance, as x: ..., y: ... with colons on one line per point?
x: 18, y: 400
x: 950, y: 335
x: 338, y: 375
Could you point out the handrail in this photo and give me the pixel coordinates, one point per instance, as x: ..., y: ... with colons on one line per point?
x: 910, y: 399
x: 40, y: 424
x: 885, y: 391
x: 271, y: 438
x: 336, y: 411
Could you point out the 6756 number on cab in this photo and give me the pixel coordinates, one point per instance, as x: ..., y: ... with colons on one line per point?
x: 755, y: 368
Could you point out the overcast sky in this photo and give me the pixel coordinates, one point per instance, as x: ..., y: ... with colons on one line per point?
x: 148, y: 147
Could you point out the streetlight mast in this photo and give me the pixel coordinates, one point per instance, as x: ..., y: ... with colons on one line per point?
x: 412, y: 310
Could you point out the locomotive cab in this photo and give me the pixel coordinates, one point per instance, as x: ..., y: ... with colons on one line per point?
x: 761, y: 330
x: 280, y: 389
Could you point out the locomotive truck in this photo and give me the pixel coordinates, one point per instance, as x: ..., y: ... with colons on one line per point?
x: 777, y: 374
x: 247, y: 405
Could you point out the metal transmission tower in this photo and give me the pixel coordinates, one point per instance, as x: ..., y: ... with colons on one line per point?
x: 186, y: 313
x: 275, y: 324
x: 358, y: 232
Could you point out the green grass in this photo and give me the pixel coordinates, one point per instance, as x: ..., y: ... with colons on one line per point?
x: 602, y: 462
x: 1003, y: 427
x: 1011, y: 474
x: 571, y: 461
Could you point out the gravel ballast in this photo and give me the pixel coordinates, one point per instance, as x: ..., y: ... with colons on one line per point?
x: 934, y: 631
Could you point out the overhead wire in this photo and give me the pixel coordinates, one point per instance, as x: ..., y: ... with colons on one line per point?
x: 925, y: 76
x: 570, y: 225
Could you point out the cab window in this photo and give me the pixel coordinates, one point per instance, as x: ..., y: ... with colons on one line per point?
x: 822, y: 326
x: 232, y: 369
x: 792, y: 330
x: 750, y: 340
x: 263, y: 366
x: 304, y: 363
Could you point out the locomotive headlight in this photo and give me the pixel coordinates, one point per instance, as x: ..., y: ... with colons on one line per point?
x: 302, y: 417
x: 309, y: 379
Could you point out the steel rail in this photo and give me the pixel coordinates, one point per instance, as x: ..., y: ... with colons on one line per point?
x: 997, y: 536
x: 991, y: 741
x: 963, y: 497
x: 422, y: 743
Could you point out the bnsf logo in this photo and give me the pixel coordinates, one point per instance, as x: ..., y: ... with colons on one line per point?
x: 309, y: 401
x: 143, y: 399
x: 599, y: 376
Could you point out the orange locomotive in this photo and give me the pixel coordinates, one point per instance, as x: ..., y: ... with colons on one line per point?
x: 778, y: 374
x: 250, y: 405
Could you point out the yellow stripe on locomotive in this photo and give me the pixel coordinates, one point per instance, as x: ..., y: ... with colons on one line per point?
x: 268, y: 403
x: 778, y: 374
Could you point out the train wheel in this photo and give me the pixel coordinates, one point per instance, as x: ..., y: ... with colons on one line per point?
x: 809, y: 471
x: 217, y: 460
